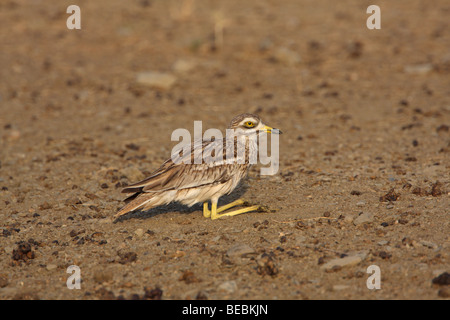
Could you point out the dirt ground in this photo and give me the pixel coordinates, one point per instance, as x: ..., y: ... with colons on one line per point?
x: 364, y: 158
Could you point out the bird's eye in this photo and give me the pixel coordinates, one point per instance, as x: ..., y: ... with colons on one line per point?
x: 249, y: 124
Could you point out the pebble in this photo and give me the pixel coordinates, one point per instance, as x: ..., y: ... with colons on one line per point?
x: 156, y: 79
x: 442, y: 280
x: 361, y: 204
x: 14, y: 135
x: 339, y: 287
x: 51, y: 267
x: 428, y: 244
x: 182, y: 66
x: 287, y: 56
x: 364, y: 217
x: 419, y: 68
x: 348, y: 218
x: 228, y: 286
x: 344, y: 262
x: 139, y: 232
x: 240, y: 249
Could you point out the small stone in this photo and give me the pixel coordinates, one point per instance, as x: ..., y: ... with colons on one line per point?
x: 188, y: 277
x: 139, y: 232
x: 156, y: 79
x: 287, y: 56
x: 390, y: 196
x: 364, y: 217
x: 419, y: 69
x: 51, y: 267
x: 383, y: 255
x: 436, y: 189
x: 266, y: 265
x: 339, y: 287
x: 428, y: 244
x: 360, y: 203
x: 228, y: 286
x: 348, y: 219
x: 240, y: 250
x: 127, y: 257
x: 72, y: 201
x: 442, y: 280
x: 349, y: 261
x: 182, y: 66
x: 14, y: 135
x: 45, y: 206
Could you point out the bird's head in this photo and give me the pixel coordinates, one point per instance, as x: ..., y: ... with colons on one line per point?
x: 248, y: 124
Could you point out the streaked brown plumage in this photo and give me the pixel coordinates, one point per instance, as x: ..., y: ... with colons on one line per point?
x: 191, y: 183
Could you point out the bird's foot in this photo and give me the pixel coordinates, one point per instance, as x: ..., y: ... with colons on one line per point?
x: 214, y: 212
x: 215, y: 215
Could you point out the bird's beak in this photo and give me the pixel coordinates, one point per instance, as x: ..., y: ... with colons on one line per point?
x: 272, y: 130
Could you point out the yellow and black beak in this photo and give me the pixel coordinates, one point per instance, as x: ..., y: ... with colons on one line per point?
x: 272, y: 130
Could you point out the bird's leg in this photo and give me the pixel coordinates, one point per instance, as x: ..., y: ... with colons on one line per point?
x: 215, y: 215
x: 206, y: 212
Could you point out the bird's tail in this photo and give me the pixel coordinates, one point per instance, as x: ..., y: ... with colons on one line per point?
x: 141, y: 201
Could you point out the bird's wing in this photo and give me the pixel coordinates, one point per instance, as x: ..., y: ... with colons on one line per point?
x: 189, y: 172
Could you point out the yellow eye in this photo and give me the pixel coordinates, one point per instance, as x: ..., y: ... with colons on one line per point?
x: 249, y: 124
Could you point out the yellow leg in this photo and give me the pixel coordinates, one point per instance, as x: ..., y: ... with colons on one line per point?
x: 206, y: 212
x: 215, y: 215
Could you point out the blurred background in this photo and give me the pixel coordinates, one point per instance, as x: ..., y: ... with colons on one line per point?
x: 217, y: 59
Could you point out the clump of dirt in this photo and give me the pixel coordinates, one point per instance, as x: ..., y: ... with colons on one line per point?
x: 23, y: 253
x: 266, y: 265
x: 390, y: 196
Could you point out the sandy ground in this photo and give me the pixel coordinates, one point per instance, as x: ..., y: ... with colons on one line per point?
x: 363, y: 112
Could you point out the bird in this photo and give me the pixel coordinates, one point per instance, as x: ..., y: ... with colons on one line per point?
x: 189, y: 181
